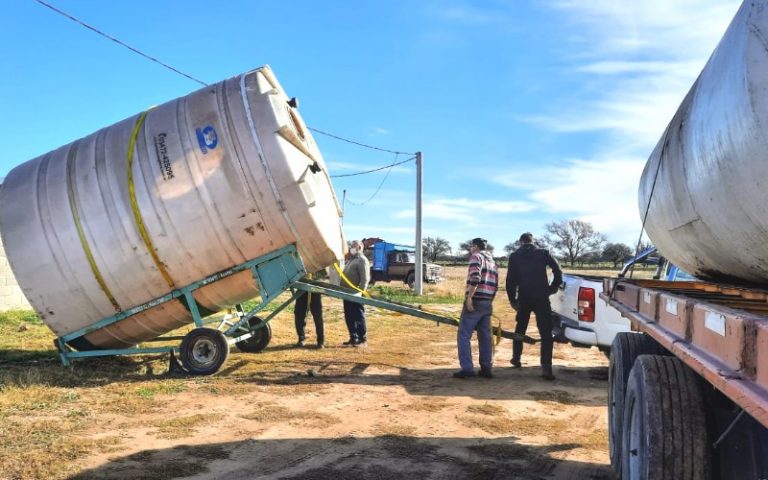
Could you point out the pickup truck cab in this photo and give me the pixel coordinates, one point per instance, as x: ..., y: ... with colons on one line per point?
x: 581, y: 317
x: 397, y: 262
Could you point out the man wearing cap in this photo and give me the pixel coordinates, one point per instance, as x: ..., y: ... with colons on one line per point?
x: 482, y: 283
x: 528, y: 290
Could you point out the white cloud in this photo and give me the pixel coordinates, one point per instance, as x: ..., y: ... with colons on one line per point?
x: 636, y: 97
x: 465, y: 210
x: 381, y: 131
x: 602, y: 191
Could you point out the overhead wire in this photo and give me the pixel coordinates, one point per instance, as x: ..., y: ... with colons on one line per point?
x: 359, y: 143
x: 121, y: 43
x: 380, y: 184
x: 190, y: 77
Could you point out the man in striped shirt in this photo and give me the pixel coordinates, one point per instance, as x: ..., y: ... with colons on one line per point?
x: 482, y: 283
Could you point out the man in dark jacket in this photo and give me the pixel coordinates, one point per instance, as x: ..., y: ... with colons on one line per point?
x: 528, y: 290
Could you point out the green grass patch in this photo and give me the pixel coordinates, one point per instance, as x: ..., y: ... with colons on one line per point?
x: 402, y: 295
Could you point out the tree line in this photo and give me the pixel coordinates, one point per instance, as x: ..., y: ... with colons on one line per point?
x: 570, y: 241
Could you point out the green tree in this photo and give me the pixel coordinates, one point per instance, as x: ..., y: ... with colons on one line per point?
x: 465, y: 246
x: 616, y: 253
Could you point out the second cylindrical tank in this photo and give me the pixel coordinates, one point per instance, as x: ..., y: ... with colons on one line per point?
x: 705, y: 181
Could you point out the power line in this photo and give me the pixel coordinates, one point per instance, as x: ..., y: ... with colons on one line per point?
x: 374, y: 170
x: 190, y: 77
x: 377, y: 189
x: 135, y: 50
x: 358, y: 143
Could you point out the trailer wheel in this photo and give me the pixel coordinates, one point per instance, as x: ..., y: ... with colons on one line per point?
x: 625, y: 349
x: 203, y: 351
x: 665, y: 431
x: 410, y: 279
x: 260, y: 339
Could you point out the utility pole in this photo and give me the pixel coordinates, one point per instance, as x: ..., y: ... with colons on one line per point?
x: 417, y: 285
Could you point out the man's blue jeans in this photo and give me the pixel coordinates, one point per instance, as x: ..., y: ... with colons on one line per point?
x: 479, y: 320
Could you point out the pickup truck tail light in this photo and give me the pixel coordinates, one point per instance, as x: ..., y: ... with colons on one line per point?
x: 586, y: 304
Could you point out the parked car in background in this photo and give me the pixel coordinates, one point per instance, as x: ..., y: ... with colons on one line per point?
x: 393, y: 262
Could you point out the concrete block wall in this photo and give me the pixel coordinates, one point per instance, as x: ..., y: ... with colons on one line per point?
x: 11, y: 296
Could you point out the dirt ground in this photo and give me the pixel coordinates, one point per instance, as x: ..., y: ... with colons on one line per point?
x: 357, y: 419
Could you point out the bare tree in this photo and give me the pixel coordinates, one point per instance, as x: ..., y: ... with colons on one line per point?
x: 511, y: 247
x: 573, y: 238
x: 433, y: 247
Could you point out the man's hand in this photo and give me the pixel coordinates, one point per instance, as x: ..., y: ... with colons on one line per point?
x: 468, y: 305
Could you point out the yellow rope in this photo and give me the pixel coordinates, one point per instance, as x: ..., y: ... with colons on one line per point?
x: 135, y: 204
x: 341, y: 273
x: 81, y: 233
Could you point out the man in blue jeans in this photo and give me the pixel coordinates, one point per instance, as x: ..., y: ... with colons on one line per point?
x: 482, y: 283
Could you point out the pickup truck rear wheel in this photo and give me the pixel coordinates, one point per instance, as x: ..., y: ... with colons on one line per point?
x: 626, y: 347
x: 665, y: 431
x: 410, y: 279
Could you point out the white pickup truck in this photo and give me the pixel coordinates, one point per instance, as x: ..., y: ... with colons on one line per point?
x: 581, y: 317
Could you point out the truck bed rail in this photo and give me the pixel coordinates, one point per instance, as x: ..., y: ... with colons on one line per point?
x: 721, y: 332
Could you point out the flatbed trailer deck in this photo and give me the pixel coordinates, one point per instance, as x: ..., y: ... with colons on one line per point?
x: 721, y: 332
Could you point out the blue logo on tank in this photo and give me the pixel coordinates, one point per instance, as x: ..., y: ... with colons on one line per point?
x: 207, y: 138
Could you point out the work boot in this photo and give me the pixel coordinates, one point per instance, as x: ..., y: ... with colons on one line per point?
x: 463, y: 374
x: 546, y: 372
x: 485, y: 373
x: 516, y: 363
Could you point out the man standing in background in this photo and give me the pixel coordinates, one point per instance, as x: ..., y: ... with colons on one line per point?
x: 482, y: 283
x: 528, y: 290
x: 357, y: 270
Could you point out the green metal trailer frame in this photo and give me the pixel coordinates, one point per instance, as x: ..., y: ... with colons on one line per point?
x: 204, y: 350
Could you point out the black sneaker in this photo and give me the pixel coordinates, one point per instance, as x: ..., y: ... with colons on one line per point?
x: 349, y: 342
x: 463, y: 374
x: 515, y: 363
x: 320, y: 346
x: 546, y: 372
x: 300, y: 343
x: 485, y: 373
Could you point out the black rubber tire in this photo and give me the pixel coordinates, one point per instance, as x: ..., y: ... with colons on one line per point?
x: 259, y: 340
x: 410, y: 279
x: 626, y: 347
x: 665, y: 431
x: 203, y: 351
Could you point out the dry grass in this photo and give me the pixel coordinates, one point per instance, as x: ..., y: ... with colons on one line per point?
x: 180, y: 427
x: 487, y: 409
x: 554, y: 396
x: 273, y: 413
x: 596, y: 440
x: 393, y: 429
x: 431, y: 405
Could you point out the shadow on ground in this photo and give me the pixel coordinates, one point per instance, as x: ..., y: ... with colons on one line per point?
x: 349, y: 458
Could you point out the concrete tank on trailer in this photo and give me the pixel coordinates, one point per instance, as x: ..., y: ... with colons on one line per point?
x: 707, y: 179
x: 163, y: 199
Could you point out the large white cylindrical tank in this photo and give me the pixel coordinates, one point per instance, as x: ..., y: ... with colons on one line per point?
x: 709, y: 205
x: 163, y: 199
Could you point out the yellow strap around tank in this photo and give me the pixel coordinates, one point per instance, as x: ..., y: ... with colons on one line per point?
x: 135, y: 204
x: 81, y: 232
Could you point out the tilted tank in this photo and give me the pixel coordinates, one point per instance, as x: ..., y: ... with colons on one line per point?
x: 707, y: 179
x: 163, y: 199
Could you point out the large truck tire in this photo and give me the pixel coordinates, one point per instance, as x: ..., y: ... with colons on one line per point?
x: 626, y: 347
x: 665, y: 431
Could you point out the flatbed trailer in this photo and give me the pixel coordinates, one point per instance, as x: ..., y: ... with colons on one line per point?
x: 688, y: 387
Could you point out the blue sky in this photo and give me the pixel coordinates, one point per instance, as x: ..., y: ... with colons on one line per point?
x: 526, y: 111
